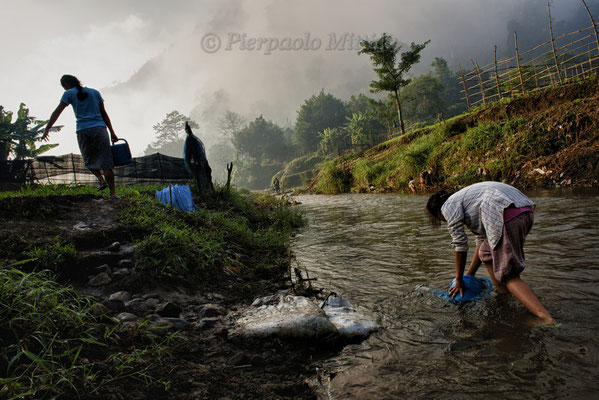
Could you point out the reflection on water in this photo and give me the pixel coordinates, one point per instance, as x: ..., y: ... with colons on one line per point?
x: 375, y: 249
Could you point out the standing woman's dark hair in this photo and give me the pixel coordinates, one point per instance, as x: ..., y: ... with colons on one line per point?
x: 70, y: 81
x: 434, y: 204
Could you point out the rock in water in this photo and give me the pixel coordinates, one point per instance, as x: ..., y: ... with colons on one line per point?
x: 286, y: 316
x: 349, y: 321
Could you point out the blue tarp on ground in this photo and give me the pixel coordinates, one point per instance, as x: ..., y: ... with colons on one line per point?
x: 177, y: 196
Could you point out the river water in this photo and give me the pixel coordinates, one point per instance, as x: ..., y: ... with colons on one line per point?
x: 376, y: 250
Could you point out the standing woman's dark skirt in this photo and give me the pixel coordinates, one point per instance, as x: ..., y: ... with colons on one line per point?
x: 95, y: 148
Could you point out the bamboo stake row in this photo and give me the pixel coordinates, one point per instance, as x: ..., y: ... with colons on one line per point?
x: 499, y: 78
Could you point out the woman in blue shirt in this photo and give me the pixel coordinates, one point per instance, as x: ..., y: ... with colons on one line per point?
x: 92, y: 121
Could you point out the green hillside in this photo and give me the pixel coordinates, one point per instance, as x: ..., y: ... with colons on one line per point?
x: 545, y: 139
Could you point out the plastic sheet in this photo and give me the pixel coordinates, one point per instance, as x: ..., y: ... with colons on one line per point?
x: 177, y: 196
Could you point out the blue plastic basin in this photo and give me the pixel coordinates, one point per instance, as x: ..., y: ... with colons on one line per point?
x: 475, y: 287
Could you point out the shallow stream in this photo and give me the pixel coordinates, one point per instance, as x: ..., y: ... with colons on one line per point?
x: 377, y: 249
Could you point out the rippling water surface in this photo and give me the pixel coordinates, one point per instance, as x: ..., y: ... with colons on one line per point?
x: 376, y: 249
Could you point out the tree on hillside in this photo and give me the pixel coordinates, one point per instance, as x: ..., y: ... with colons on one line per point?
x: 452, y: 96
x: 18, y: 137
x: 230, y: 123
x: 170, y: 135
x: 383, y: 54
x: 319, y: 112
x: 423, y: 99
x: 261, y: 148
x: 262, y: 140
x: 364, y: 104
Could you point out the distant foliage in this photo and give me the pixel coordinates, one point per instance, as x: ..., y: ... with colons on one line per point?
x: 170, y: 135
x: 423, y: 98
x: 262, y: 147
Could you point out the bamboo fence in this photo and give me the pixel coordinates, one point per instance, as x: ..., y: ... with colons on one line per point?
x: 562, y: 59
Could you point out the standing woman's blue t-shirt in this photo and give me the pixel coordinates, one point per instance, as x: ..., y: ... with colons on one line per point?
x: 87, y: 111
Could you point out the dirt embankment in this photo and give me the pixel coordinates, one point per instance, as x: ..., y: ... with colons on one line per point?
x: 204, y: 360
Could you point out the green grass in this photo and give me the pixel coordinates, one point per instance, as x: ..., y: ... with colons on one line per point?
x: 458, y: 152
x: 51, y: 344
x: 76, y: 189
x: 335, y: 178
x: 229, y: 228
x: 57, y: 256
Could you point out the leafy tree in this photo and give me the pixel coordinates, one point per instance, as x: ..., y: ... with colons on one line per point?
x: 359, y: 127
x: 452, y: 96
x: 332, y: 139
x: 170, y: 135
x: 319, y: 112
x: 262, y: 140
x: 423, y: 98
x: 229, y: 124
x: 365, y: 104
x: 18, y: 138
x: 261, y: 148
x: 383, y: 54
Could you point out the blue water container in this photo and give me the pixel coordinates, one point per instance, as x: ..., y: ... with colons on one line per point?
x: 475, y: 288
x: 121, y: 153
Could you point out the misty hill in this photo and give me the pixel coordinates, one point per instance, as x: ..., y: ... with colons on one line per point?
x: 546, y: 139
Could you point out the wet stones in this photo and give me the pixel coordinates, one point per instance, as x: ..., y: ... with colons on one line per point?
x: 122, y: 296
x: 168, y: 309
x: 116, y: 306
x: 176, y: 323
x: 126, y: 317
x: 104, y: 268
x: 125, y: 263
x: 114, y: 247
x: 100, y: 280
x: 211, y: 310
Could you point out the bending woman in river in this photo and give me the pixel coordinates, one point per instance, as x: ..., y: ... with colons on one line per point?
x: 500, y: 216
x: 92, y: 136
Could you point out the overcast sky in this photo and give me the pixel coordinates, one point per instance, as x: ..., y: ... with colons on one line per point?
x: 150, y: 57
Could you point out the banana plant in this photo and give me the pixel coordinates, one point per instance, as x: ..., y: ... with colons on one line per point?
x: 18, y: 139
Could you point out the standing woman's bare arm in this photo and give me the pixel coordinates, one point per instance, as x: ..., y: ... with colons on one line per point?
x: 55, y: 114
x: 106, y: 119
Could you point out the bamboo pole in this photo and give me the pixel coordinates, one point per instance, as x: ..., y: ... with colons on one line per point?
x: 592, y: 21
x: 550, y: 75
x: 73, y: 164
x: 46, y: 168
x: 480, y: 81
x: 160, y: 166
x: 518, y: 61
x: 465, y: 89
x: 496, y: 75
x: 553, y: 44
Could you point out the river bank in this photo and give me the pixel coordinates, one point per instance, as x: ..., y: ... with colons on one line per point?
x: 545, y: 139
x: 130, y: 299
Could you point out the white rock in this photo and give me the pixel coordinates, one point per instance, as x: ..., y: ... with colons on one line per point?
x: 286, y: 316
x: 349, y: 321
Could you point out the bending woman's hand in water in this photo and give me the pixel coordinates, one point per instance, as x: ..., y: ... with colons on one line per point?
x: 458, y: 287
